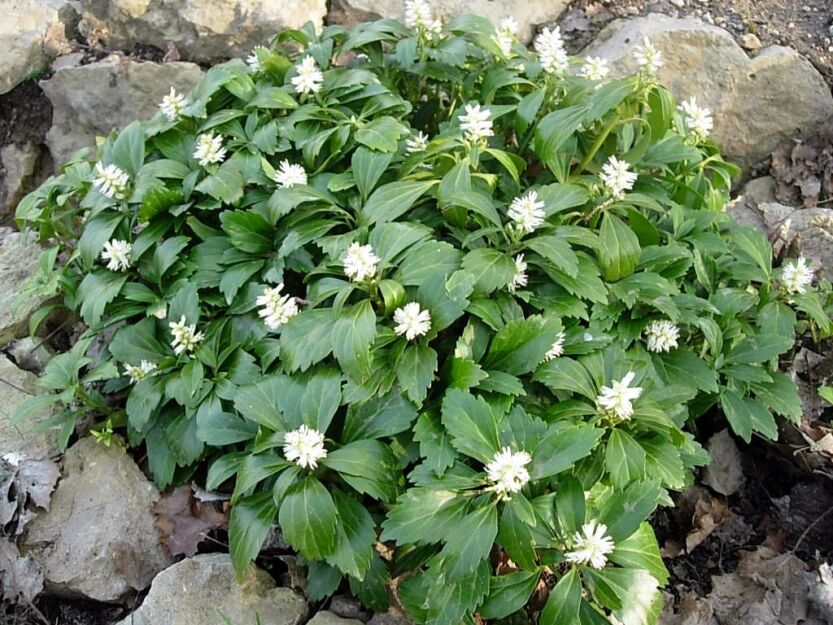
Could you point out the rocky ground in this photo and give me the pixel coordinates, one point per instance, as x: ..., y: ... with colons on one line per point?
x: 87, y: 540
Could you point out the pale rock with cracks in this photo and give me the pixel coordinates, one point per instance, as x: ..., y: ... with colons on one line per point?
x: 16, y: 388
x: 755, y: 102
x: 201, y: 30
x: 90, y: 100
x: 196, y: 591
x: 18, y: 263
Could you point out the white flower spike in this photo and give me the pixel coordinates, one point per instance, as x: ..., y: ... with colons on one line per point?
x: 797, y: 276
x: 557, y: 348
x: 618, y: 397
x: 140, y: 372
x: 591, y: 546
x: 412, y: 321
x: 186, y: 338
x: 594, y: 68
x: 253, y: 60
x: 417, y: 143
x: 505, y: 35
x: 308, y: 78
x: 172, y: 105
x: 276, y: 309
x: 507, y: 471
x: 117, y: 254
x: 304, y: 447
x: 698, y: 119
x: 520, y: 277
x: 662, y: 336
x: 476, y: 123
x: 648, y: 57
x: 418, y: 15
x: 209, y: 149
x: 360, y: 262
x: 551, y: 52
x: 527, y: 212
x: 617, y: 177
x: 289, y: 174
x: 110, y: 181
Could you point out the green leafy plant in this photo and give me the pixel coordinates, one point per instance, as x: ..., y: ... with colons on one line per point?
x: 445, y: 310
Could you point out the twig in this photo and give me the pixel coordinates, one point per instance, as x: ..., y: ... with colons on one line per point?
x: 809, y: 527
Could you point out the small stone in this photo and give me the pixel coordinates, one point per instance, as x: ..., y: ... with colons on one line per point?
x: 328, y: 618
x: 73, y: 59
x: 760, y: 190
x: 16, y: 387
x: 204, y: 590
x: 750, y: 42
x: 678, y: 3
x: 18, y: 263
x: 19, y: 167
x: 102, y: 501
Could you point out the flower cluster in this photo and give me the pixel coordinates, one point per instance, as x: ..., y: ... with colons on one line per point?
x: 209, y: 149
x: 617, y: 398
x: 139, y: 372
x: 412, y: 321
x: 186, y: 338
x: 507, y: 472
x: 417, y: 143
x: 698, y: 119
x: 418, y: 15
x: 110, y: 180
x: 557, y: 348
x: 520, y: 277
x: 253, y: 60
x: 117, y: 254
x: 276, y: 309
x: 505, y: 35
x: 594, y: 68
x: 591, y: 546
x: 360, y: 262
x: 476, y: 123
x: 308, y: 78
x: 290, y: 174
x: 304, y: 447
x: 662, y: 336
x: 172, y: 105
x: 551, y: 51
x: 648, y: 57
x: 527, y: 212
x: 797, y: 276
x: 617, y: 177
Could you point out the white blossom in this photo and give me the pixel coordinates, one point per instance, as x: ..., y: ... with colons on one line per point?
x: 662, y: 336
x: 617, y: 176
x: 551, y: 52
x: 507, y: 471
x: 209, y: 149
x: 117, y: 254
x: 594, y: 68
x: 505, y: 35
x: 186, y: 338
x: 304, y: 447
x: 276, y: 309
x: 289, y: 174
x: 172, y: 105
x: 557, y: 348
x: 418, y: 15
x: 591, y: 545
x: 253, y: 60
x: 520, y: 277
x: 527, y: 212
x: 797, y: 276
x: 412, y: 321
x: 308, y: 78
x: 360, y: 262
x: 140, y: 372
x: 698, y: 119
x: 417, y: 143
x: 110, y: 181
x: 476, y: 123
x: 648, y: 57
x: 617, y: 397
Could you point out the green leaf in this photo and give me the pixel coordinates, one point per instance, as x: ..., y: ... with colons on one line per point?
x: 564, y: 600
x: 640, y: 551
x: 136, y: 342
x: 225, y: 184
x: 272, y: 98
x: 491, y: 268
x: 96, y: 290
x: 561, y: 447
x: 570, y: 508
x: 415, y: 371
x: 625, y: 510
x: 619, y: 251
x: 367, y: 465
x: 354, y: 333
x: 759, y: 348
x: 388, y: 240
x: 379, y: 417
x: 638, y: 592
x: 515, y: 536
x: 522, y: 344
x: 781, y: 395
x: 393, y: 200
x: 684, y: 367
x: 368, y: 167
x: 97, y: 231
x: 469, y: 541
x: 624, y: 458
x: 248, y: 231
x: 566, y: 374
x: 308, y: 518
x: 355, y: 536
x: 249, y: 524
x: 307, y: 338
x: 508, y: 594
x: 381, y: 134
x: 747, y: 416
x: 472, y: 425
x: 422, y: 515
x: 260, y: 403
x: 754, y: 245
x: 446, y: 300
x: 426, y: 261
x: 557, y: 251
x: 129, y: 149
x: 554, y: 129
x: 434, y: 444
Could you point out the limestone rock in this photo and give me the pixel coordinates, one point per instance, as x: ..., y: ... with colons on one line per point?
x: 31, y: 32
x: 204, y: 589
x: 102, y: 502
x: 16, y: 386
x: 201, y: 30
x: 18, y: 262
x: 756, y: 102
x: 328, y: 618
x: 91, y: 100
x: 20, y: 163
x: 528, y: 13
x: 807, y: 231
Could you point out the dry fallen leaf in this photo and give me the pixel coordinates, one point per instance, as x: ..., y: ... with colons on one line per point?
x: 21, y: 577
x: 137, y: 571
x: 184, y: 521
x: 725, y: 472
x: 709, y: 514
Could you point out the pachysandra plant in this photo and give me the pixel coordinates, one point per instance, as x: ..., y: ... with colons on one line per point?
x: 443, y: 308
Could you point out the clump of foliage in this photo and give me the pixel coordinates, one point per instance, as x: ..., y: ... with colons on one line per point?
x: 444, y: 309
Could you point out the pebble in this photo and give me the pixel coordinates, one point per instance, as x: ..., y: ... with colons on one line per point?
x: 678, y: 3
x: 750, y: 41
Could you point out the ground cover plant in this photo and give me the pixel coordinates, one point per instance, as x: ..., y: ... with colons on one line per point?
x: 443, y: 308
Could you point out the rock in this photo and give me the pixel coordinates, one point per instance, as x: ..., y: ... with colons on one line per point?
x: 528, y: 13
x: 760, y: 190
x: 18, y: 263
x: 200, y: 30
x: 19, y: 163
x: 724, y: 473
x: 328, y: 618
x: 16, y: 386
x: 750, y: 42
x: 91, y: 100
x: 31, y: 32
x: 808, y: 232
x: 756, y: 102
x: 204, y: 589
x: 392, y: 617
x: 31, y: 354
x: 102, y: 503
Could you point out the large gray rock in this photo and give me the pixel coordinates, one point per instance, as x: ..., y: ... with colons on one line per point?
x: 16, y: 386
x: 806, y: 231
x: 203, y: 590
x: 201, y: 30
x: 756, y: 102
x: 328, y: 618
x: 91, y: 100
x: 102, y: 504
x: 18, y: 263
x: 20, y: 164
x: 528, y: 13
x: 31, y: 32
